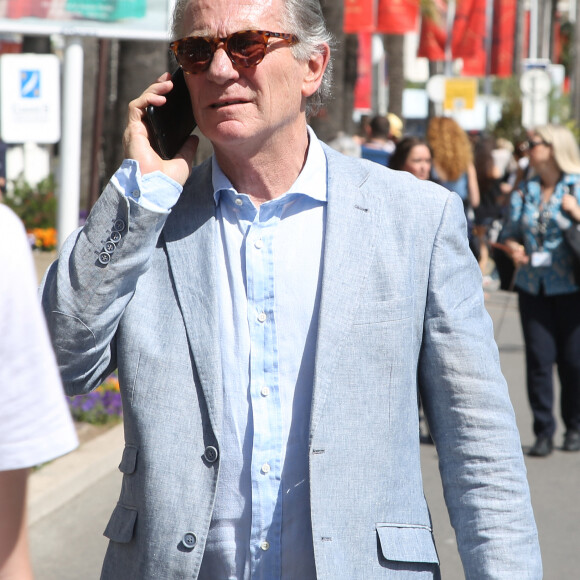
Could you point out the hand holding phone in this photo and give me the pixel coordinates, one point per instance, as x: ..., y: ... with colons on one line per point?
x: 171, y: 123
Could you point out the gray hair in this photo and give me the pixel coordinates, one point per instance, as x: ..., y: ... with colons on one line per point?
x: 564, y: 146
x: 304, y: 19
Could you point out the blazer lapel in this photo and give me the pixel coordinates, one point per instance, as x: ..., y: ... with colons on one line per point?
x: 350, y: 238
x: 189, y: 236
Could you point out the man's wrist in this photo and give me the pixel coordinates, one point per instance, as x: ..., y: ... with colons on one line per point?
x: 155, y: 191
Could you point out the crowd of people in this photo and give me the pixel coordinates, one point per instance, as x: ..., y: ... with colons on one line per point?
x: 519, y: 199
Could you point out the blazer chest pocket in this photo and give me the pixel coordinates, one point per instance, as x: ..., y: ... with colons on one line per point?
x: 407, y: 543
x: 372, y: 312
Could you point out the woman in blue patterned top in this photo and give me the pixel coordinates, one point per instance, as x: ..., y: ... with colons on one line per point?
x: 549, y: 295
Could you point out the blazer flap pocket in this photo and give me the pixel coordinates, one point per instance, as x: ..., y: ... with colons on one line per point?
x: 121, y: 525
x: 407, y: 543
x: 129, y: 459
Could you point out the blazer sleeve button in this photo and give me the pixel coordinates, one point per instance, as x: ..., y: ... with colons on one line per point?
x: 211, y: 454
x: 104, y: 258
x: 119, y: 225
x: 189, y: 540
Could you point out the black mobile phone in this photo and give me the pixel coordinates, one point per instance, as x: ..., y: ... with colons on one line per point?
x: 171, y: 123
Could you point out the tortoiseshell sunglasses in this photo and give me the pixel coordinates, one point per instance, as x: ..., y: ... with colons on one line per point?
x: 245, y: 48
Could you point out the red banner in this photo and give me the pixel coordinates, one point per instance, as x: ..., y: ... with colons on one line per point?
x: 358, y: 16
x: 397, y: 16
x: 558, y: 39
x: 363, y: 88
x: 474, y: 65
x: 504, y: 30
x: 469, y: 29
x: 526, y: 40
x: 24, y: 8
x: 433, y: 32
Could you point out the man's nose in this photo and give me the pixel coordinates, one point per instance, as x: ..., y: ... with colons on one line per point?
x: 221, y: 68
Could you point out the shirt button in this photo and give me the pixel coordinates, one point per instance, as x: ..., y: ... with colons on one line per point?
x: 119, y: 225
x: 262, y: 317
x: 115, y: 237
x: 258, y: 244
x: 265, y: 546
x: 265, y: 391
x: 238, y: 201
x: 265, y: 468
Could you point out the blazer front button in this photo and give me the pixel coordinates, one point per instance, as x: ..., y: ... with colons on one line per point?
x: 211, y: 454
x: 189, y: 540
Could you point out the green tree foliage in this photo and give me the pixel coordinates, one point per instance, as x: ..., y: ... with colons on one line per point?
x: 34, y: 205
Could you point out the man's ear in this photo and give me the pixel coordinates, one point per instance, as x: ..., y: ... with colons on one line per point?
x: 315, y: 70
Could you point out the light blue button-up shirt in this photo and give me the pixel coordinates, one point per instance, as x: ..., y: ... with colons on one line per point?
x: 269, y: 294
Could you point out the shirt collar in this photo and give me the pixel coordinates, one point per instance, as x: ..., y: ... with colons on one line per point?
x: 310, y: 182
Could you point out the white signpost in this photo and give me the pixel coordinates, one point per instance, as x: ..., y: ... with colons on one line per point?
x: 124, y: 19
x: 535, y: 85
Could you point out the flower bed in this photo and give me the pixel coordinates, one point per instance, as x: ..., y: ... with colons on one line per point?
x: 36, y: 206
x: 44, y: 239
x: 101, y: 406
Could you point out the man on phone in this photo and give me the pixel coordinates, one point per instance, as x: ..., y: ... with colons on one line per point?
x: 273, y: 314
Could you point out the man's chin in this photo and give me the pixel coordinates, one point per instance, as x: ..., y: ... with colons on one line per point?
x: 229, y: 134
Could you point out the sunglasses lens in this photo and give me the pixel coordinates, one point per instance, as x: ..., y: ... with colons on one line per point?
x: 194, y: 54
x: 247, y: 48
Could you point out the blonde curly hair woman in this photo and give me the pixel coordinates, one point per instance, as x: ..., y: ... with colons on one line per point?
x: 452, y: 165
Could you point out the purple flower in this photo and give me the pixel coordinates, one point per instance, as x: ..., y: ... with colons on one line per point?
x: 98, y: 406
x: 87, y: 404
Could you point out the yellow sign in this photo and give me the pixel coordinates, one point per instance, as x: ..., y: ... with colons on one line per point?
x: 460, y: 94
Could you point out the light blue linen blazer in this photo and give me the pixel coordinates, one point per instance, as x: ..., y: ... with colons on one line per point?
x: 401, y: 310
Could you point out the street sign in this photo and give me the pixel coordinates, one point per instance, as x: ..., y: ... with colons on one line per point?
x: 29, y: 98
x: 536, y: 83
x: 460, y: 94
x: 539, y: 63
x: 455, y: 93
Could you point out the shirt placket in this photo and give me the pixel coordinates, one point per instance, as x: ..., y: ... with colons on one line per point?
x: 264, y: 393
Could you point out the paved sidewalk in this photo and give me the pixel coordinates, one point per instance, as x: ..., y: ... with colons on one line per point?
x: 60, y: 481
x: 42, y: 260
